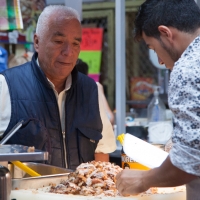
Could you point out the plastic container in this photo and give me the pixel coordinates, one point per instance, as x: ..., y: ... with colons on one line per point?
x: 159, y: 128
x: 127, y: 162
x: 156, y: 110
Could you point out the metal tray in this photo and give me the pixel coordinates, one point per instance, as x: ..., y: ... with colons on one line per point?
x: 37, y: 182
x: 49, y: 174
x: 42, y: 169
x: 19, y: 152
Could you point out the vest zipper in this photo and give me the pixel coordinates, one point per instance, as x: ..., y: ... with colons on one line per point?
x: 64, y: 144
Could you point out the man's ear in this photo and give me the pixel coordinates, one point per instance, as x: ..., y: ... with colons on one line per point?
x: 165, y: 32
x: 36, y: 43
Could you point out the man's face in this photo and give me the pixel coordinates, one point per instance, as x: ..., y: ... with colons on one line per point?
x: 166, y: 54
x: 59, y: 47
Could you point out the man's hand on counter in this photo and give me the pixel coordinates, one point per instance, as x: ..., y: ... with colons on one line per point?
x: 132, y: 182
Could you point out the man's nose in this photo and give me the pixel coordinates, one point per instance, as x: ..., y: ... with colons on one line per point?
x: 67, y: 50
x: 160, y: 61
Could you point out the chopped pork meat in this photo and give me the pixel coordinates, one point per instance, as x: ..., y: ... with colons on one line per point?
x: 90, y: 179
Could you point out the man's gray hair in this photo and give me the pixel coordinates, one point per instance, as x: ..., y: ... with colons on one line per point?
x: 64, y: 11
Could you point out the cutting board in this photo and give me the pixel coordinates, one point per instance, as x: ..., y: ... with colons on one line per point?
x: 39, y: 195
x: 143, y: 152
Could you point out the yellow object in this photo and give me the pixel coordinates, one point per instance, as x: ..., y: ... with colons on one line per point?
x: 25, y: 168
x: 121, y: 138
x: 127, y: 162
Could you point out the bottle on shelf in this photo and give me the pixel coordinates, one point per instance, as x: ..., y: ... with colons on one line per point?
x: 156, y: 110
x: 159, y: 128
x: 130, y: 117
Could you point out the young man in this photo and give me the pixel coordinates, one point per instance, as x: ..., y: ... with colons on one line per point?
x: 172, y: 29
x: 61, y: 107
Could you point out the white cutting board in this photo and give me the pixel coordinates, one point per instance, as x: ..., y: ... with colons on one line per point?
x: 38, y: 195
x: 143, y: 152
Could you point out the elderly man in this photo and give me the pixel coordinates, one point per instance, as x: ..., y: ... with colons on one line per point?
x: 61, y: 108
x: 172, y: 29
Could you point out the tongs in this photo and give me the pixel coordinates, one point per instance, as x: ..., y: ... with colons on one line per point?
x: 18, y: 163
x: 11, y: 132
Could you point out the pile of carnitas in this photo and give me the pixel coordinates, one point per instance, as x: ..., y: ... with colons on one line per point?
x: 90, y: 179
x: 93, y: 179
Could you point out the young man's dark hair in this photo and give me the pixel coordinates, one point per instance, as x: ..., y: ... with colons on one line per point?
x: 183, y: 15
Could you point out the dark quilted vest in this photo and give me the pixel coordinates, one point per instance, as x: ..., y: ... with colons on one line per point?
x: 33, y: 100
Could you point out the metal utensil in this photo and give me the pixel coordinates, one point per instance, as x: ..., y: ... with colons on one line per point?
x: 25, y: 168
x: 11, y: 132
x: 18, y: 163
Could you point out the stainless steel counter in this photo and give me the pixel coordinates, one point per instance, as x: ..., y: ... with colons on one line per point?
x: 37, y: 189
x: 20, y: 152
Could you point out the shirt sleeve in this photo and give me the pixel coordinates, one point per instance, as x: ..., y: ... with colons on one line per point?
x: 184, y: 101
x: 5, y: 105
x: 108, y: 142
